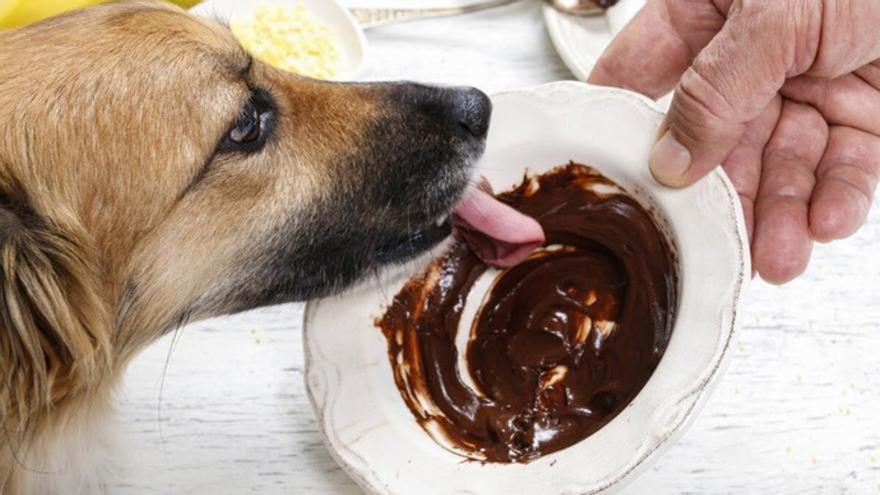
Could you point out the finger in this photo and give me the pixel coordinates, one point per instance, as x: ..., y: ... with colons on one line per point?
x: 743, y: 166
x: 847, y: 100
x: 782, y: 245
x: 654, y: 49
x: 871, y: 74
x: 847, y: 38
x: 846, y: 181
x: 729, y: 84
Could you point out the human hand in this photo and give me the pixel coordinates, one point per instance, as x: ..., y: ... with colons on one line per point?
x: 785, y: 94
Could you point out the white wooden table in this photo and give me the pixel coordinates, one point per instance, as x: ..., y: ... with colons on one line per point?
x: 798, y: 411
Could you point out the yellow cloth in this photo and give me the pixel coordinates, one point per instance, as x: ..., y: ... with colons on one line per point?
x: 16, y: 13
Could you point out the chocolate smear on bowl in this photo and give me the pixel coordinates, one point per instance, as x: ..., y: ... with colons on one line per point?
x: 561, y: 343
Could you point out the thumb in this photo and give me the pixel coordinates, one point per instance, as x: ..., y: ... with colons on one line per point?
x: 729, y: 84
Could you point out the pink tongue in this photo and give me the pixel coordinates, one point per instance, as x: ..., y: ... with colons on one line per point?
x: 498, y: 234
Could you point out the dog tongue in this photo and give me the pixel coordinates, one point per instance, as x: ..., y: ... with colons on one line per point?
x: 498, y: 234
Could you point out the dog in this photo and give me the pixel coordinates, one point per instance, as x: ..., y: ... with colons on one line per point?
x: 152, y: 173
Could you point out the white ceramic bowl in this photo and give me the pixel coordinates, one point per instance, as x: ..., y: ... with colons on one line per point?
x: 348, y: 33
x: 371, y: 432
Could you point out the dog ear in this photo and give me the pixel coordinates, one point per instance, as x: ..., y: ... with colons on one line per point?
x: 54, y: 327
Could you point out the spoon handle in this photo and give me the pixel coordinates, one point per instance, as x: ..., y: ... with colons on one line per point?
x: 370, y: 18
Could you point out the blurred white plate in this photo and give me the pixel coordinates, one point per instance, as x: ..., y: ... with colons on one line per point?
x: 371, y: 432
x: 349, y: 36
x: 581, y: 40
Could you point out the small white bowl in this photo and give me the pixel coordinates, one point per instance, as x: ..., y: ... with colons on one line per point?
x: 373, y: 435
x: 348, y: 33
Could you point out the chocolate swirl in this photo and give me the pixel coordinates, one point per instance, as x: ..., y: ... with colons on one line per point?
x: 560, y: 344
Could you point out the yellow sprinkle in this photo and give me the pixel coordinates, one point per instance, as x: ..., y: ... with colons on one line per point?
x: 799, y: 377
x: 290, y: 38
x: 788, y: 449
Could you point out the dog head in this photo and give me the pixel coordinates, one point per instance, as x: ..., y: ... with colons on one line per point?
x: 152, y: 172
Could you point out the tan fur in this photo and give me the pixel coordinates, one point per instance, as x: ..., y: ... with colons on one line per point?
x: 95, y: 182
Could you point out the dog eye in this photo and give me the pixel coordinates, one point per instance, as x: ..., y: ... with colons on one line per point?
x: 253, y: 127
x: 248, y: 129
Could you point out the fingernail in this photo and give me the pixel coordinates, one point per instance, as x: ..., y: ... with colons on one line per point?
x: 670, y: 161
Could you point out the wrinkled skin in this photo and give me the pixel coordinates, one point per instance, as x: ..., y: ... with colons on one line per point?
x: 785, y: 94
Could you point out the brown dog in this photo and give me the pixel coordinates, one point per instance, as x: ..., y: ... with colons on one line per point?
x: 152, y: 174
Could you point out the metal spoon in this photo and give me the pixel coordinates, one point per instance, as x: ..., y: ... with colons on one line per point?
x: 583, y: 8
x: 370, y: 18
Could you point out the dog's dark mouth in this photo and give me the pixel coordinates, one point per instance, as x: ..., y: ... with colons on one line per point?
x: 414, y: 243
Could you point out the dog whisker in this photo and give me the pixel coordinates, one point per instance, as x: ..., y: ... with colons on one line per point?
x: 380, y: 284
x: 182, y: 321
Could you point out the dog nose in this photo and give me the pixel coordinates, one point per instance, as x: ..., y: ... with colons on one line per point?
x: 463, y: 109
x: 471, y: 109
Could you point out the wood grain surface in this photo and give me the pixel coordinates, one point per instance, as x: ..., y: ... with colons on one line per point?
x: 796, y: 413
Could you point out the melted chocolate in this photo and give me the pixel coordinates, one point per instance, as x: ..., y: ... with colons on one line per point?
x: 560, y: 344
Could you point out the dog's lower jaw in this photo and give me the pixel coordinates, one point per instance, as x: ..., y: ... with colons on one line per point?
x: 66, y: 450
